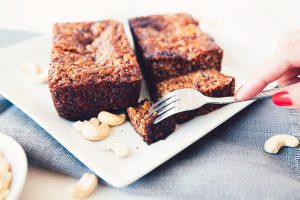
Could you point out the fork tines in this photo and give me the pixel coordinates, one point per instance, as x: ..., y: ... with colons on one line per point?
x: 164, y: 106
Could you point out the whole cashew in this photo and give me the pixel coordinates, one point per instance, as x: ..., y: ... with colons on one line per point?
x: 79, y: 124
x: 4, y: 194
x: 111, y: 119
x: 5, y: 177
x: 275, y: 143
x: 119, y: 149
x: 84, y: 187
x: 94, y: 132
x: 4, y: 165
x: 31, y: 68
x: 94, y: 121
x: 41, y: 77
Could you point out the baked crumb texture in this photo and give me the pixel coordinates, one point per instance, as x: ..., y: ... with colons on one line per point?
x: 172, y: 45
x: 92, y: 69
x: 209, y: 82
x: 143, y: 123
x: 174, y: 53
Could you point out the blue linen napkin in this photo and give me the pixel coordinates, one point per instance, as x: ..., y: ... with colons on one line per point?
x: 228, y: 163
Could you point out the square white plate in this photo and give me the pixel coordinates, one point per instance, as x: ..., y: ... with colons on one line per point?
x: 35, y: 100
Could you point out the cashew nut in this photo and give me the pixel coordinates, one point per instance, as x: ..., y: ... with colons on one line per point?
x: 4, y: 165
x: 31, y: 68
x: 41, y: 77
x: 274, y: 144
x: 111, y: 119
x: 79, y: 124
x: 84, y: 187
x: 94, y: 121
x: 5, y: 177
x: 94, y: 132
x: 119, y: 149
x: 3, y: 194
x: 38, y: 75
x: 91, y: 129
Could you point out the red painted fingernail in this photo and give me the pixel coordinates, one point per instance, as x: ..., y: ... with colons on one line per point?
x: 282, y: 99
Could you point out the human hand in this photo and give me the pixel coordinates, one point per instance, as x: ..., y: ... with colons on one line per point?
x: 283, y: 66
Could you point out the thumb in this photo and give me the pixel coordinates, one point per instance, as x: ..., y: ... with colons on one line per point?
x: 289, y: 96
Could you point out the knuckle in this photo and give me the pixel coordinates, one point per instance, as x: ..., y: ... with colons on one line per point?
x: 84, y: 187
x: 275, y: 143
x: 111, y: 119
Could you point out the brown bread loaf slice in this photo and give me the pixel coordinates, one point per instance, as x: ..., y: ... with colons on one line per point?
x: 172, y: 45
x: 92, y: 69
x: 209, y: 82
x: 144, y: 124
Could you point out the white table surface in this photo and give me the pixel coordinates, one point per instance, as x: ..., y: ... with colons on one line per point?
x: 38, y: 16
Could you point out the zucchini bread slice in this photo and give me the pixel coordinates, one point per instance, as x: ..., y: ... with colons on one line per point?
x: 144, y: 124
x: 92, y: 69
x: 172, y: 45
x: 209, y: 82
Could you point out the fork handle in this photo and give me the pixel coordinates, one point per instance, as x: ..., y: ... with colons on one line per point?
x: 267, y: 93
x: 227, y: 100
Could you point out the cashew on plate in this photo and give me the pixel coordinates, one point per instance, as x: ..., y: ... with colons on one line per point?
x: 111, y: 119
x: 119, y: 150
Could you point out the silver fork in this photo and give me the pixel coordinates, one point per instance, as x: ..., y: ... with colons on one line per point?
x: 191, y: 99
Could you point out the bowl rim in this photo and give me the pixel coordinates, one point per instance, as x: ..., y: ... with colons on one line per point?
x: 15, y: 191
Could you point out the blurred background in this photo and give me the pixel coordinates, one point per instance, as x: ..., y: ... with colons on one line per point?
x: 250, y: 22
x: 255, y: 22
x: 37, y: 15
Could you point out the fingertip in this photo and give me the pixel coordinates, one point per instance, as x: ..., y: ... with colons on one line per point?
x: 242, y: 93
x: 239, y: 89
x: 240, y: 96
x: 237, y: 93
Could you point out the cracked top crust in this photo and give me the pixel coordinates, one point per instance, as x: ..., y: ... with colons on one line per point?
x: 91, y: 52
x: 171, y: 36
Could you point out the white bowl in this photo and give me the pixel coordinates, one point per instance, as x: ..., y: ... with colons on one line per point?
x: 16, y: 157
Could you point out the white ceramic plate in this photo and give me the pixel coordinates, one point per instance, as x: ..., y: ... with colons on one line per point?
x: 35, y: 101
x: 16, y: 157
